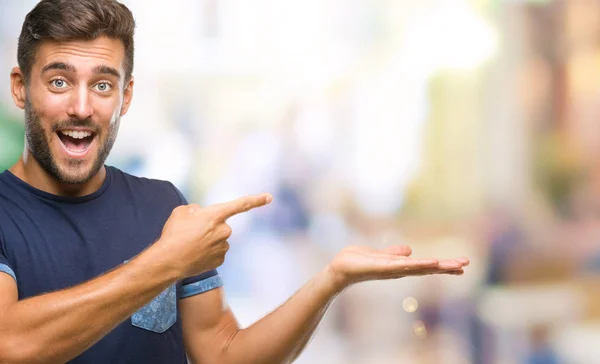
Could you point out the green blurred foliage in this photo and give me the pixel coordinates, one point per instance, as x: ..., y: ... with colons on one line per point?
x: 12, y: 138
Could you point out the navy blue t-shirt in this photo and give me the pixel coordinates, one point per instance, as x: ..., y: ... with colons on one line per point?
x: 50, y: 242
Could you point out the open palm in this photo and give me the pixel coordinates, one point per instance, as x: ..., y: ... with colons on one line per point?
x: 362, y: 263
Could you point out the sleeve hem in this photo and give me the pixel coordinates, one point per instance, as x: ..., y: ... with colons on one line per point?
x: 202, y: 286
x: 6, y: 269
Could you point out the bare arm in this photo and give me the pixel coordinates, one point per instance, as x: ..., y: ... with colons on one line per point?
x: 56, y: 327
x: 212, y: 336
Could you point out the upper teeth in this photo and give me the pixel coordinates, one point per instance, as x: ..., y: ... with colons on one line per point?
x: 76, y: 134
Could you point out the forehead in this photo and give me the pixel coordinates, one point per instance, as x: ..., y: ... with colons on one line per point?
x: 83, y: 54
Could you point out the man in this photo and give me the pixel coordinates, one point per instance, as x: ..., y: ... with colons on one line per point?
x: 99, y: 266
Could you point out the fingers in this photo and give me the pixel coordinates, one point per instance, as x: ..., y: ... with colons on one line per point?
x: 463, y: 260
x: 441, y: 269
x: 450, y: 264
x: 225, y: 245
x: 397, y: 267
x: 226, y: 210
x: 401, y: 264
x: 224, y: 231
x: 454, y: 272
x: 404, y: 251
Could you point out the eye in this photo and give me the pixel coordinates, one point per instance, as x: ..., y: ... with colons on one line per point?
x: 58, y: 83
x: 103, y: 86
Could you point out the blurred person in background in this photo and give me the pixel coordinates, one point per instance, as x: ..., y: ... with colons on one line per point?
x: 104, y: 266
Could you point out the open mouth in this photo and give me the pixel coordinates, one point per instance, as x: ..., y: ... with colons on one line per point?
x: 76, y: 142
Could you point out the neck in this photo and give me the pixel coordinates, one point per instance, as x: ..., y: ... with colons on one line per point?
x: 31, y: 172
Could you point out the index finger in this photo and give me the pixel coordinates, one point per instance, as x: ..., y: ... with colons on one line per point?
x: 223, y: 211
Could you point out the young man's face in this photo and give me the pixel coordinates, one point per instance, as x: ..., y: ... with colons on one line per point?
x: 73, y: 101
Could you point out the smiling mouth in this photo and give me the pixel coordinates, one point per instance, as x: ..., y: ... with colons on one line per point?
x: 76, y: 141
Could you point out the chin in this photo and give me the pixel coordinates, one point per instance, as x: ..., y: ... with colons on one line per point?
x: 77, y: 171
x: 75, y: 179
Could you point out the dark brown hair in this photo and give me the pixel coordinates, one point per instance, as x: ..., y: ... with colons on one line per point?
x: 67, y: 20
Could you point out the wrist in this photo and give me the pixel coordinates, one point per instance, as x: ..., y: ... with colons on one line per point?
x: 160, y: 254
x: 335, y: 282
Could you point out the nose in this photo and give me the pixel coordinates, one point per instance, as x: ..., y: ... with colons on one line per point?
x: 80, y: 105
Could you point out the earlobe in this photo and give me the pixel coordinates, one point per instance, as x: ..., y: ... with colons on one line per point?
x: 127, y: 96
x: 17, y: 87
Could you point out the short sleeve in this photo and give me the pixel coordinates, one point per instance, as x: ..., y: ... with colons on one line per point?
x: 180, y: 197
x: 5, y: 267
x: 4, y: 264
x: 201, y: 283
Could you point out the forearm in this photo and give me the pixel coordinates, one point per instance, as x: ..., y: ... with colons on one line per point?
x: 56, y: 327
x: 282, y: 335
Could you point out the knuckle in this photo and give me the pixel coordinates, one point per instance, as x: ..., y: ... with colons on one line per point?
x: 191, y: 208
x: 227, y: 230
x: 212, y: 223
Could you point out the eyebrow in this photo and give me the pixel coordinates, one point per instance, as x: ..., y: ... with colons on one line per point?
x: 98, y: 70
x: 106, y: 70
x: 59, y: 66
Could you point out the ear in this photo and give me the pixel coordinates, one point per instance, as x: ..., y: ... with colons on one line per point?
x: 17, y: 87
x: 127, y: 96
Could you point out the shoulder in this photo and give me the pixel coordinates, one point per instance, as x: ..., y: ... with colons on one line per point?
x: 156, y: 188
x: 9, y: 197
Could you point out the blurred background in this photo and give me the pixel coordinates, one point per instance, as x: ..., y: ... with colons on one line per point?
x: 462, y: 128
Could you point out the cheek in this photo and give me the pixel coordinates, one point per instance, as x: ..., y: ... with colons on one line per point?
x: 106, y: 110
x: 49, y: 107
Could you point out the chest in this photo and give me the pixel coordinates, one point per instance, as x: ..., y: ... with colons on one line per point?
x: 52, y: 247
